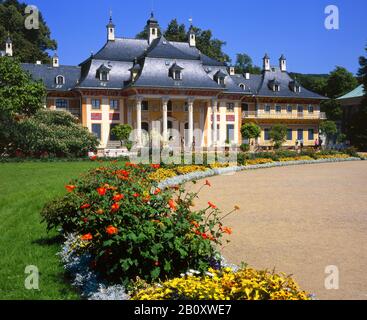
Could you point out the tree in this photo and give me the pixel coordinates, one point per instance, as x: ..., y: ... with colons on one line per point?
x: 340, y: 82
x: 329, y: 129
x: 250, y: 131
x: 29, y: 45
x: 278, y: 135
x: 52, y: 133
x: 175, y: 32
x: 122, y: 132
x: 358, y: 130
x: 333, y: 109
x: 244, y: 64
x: 314, y: 82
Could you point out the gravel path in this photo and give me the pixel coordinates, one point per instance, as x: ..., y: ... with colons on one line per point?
x: 299, y: 220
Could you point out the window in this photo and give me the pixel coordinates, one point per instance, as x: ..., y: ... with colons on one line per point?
x: 276, y: 88
x: 60, y: 80
x: 289, y: 134
x: 300, y: 109
x: 242, y: 86
x: 310, y: 109
x: 230, y: 107
x: 311, y: 134
x: 96, y: 130
x: 112, y: 136
x: 230, y: 132
x: 177, y: 75
x: 289, y: 109
x: 278, y: 109
x: 96, y: 104
x: 103, y: 76
x: 170, y: 107
x: 114, y: 104
x: 61, y: 103
x: 244, y: 107
x: 266, y: 134
x: 221, y: 81
x: 300, y: 134
x: 144, y: 106
x: 186, y: 107
x: 267, y: 108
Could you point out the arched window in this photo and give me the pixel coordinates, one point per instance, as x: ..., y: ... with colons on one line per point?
x: 60, y: 80
x: 242, y: 86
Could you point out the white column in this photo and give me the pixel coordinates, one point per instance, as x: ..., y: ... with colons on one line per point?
x: 237, y: 122
x: 215, y: 121
x: 138, y: 121
x: 191, y: 122
x: 209, y: 124
x: 223, y: 123
x: 165, y: 120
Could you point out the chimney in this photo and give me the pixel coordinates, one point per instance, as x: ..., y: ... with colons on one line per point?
x: 38, y: 62
x: 55, y: 61
x: 266, y: 62
x: 232, y: 71
x: 9, y: 47
x: 247, y: 76
x: 283, y: 63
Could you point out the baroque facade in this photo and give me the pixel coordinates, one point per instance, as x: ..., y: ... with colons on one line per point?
x: 145, y: 81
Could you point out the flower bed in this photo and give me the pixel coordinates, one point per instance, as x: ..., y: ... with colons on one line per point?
x: 124, y: 225
x: 225, y: 284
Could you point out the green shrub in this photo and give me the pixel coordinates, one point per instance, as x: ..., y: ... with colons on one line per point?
x: 134, y: 229
x: 245, y: 147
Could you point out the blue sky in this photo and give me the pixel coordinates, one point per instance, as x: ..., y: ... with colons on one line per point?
x: 295, y: 28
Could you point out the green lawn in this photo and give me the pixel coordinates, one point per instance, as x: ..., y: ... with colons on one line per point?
x: 24, y: 189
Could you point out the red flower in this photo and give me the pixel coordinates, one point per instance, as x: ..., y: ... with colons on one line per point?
x: 227, y: 230
x: 70, y: 188
x: 211, y: 205
x: 93, y: 158
x: 157, y: 191
x: 136, y: 195
x: 115, y: 207
x: 101, y: 191
x: 156, y: 166
x: 207, y: 183
x: 111, y: 230
x: 172, y: 205
x: 85, y: 220
x: 85, y: 206
x: 87, y: 237
x: 129, y: 164
x: 118, y: 197
x: 146, y: 199
x: 204, y: 236
x: 157, y: 263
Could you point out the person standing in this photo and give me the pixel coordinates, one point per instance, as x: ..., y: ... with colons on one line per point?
x: 316, y: 144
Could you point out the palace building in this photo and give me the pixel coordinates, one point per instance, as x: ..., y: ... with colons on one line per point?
x: 145, y: 81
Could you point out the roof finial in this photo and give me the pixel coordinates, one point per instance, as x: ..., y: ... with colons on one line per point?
x: 110, y: 15
x: 191, y: 21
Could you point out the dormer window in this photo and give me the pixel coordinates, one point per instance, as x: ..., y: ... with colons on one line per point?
x: 220, y: 77
x: 175, y: 72
x: 103, y: 73
x: 135, y: 71
x: 295, y: 86
x: 242, y: 86
x: 274, y: 85
x: 60, y: 80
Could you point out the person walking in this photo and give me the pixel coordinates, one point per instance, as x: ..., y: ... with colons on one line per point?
x: 316, y: 144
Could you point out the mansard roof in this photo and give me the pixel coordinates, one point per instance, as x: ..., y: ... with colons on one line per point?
x: 48, y: 74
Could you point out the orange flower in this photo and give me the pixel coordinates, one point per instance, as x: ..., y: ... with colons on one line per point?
x: 156, y: 166
x: 111, y: 230
x: 207, y: 183
x: 129, y: 164
x: 157, y: 191
x: 70, y: 188
x: 172, y: 205
x: 100, y: 211
x: 227, y: 230
x: 146, y: 199
x: 101, y: 191
x: 115, y: 207
x: 195, y: 224
x: 118, y: 197
x: 85, y: 206
x: 211, y: 205
x: 87, y: 237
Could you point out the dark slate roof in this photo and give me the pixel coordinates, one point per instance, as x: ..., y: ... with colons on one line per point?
x: 118, y: 75
x: 162, y: 48
x: 155, y: 73
x: 284, y: 80
x: 122, y: 49
x: 230, y: 85
x: 251, y: 84
x: 48, y: 74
